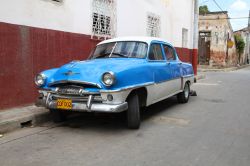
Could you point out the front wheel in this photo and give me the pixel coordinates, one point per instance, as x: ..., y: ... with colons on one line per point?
x: 183, y: 97
x: 133, y: 112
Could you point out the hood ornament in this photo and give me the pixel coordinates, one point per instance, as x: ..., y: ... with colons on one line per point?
x: 70, y: 73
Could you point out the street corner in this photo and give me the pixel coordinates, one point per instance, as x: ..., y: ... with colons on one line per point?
x: 200, y: 76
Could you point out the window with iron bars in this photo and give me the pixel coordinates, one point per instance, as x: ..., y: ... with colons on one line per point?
x: 153, y: 25
x: 101, y: 24
x: 103, y: 19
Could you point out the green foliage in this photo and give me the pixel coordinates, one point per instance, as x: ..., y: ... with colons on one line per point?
x: 240, y: 44
x: 203, y: 9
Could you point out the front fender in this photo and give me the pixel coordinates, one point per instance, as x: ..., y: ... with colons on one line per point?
x: 132, y: 78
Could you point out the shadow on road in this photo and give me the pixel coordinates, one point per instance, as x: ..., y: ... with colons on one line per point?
x: 102, y: 121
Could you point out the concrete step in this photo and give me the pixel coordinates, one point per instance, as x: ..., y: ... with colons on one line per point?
x: 16, y: 118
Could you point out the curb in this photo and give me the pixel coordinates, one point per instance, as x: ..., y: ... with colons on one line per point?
x: 223, y: 70
x: 200, y: 76
x: 18, y: 118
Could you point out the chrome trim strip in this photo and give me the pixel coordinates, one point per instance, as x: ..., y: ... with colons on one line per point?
x: 47, y: 99
x: 74, y: 81
x: 186, y: 76
x: 80, y: 98
x: 143, y: 85
x: 106, y: 108
x: 89, y: 102
x: 84, y: 92
x: 176, y: 78
x: 127, y: 88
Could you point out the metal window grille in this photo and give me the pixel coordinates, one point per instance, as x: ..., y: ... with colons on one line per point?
x: 153, y: 25
x: 184, y: 37
x: 104, y: 19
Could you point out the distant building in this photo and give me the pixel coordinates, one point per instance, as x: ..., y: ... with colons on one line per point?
x: 216, y: 40
x: 244, y: 33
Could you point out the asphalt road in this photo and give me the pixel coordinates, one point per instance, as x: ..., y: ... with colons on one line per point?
x: 213, y: 129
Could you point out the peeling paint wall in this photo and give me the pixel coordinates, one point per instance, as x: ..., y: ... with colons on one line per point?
x: 221, y: 32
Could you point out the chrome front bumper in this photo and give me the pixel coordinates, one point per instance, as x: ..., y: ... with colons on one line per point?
x: 95, y: 107
x: 89, y: 105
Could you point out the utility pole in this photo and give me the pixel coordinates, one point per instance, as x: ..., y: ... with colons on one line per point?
x: 195, y: 36
x: 248, y: 38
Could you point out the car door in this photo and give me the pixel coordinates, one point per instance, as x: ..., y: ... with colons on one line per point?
x: 175, y: 67
x: 161, y: 73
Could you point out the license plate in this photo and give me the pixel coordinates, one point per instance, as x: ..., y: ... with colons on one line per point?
x: 64, y: 104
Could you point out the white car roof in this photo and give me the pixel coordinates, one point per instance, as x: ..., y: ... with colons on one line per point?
x: 147, y: 40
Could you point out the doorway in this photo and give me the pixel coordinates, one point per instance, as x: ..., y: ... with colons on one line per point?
x: 204, y: 48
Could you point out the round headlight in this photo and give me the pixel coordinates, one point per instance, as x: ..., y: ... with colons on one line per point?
x: 108, y: 78
x: 40, y: 79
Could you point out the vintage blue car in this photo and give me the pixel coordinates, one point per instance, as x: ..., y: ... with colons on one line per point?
x: 122, y: 74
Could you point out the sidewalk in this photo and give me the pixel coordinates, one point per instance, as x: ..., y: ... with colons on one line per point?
x: 222, y: 69
x: 17, y: 118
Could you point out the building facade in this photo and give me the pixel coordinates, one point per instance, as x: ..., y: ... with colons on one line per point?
x: 41, y: 34
x: 244, y: 33
x: 216, y: 40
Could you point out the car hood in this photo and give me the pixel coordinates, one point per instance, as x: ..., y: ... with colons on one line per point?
x: 92, y: 70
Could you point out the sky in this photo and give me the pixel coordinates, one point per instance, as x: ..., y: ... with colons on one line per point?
x: 235, y: 8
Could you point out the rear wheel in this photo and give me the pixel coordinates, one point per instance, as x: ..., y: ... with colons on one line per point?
x: 133, y: 112
x: 57, y: 115
x: 183, y: 97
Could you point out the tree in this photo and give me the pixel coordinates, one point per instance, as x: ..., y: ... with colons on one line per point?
x: 240, y: 45
x: 203, y: 9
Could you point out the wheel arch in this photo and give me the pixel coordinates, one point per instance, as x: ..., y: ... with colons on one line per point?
x: 184, y: 81
x: 142, y: 94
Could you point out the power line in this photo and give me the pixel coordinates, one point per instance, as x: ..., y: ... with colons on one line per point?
x: 205, y: 1
x: 218, y: 5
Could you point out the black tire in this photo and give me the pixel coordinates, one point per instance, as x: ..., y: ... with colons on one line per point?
x: 133, y: 112
x: 57, y: 115
x: 183, y: 97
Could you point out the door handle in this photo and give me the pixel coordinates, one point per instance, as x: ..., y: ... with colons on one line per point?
x: 180, y: 63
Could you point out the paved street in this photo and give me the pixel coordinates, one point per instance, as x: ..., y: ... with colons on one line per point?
x: 213, y: 129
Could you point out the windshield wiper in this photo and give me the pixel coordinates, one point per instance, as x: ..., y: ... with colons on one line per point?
x: 119, y: 54
x: 103, y: 56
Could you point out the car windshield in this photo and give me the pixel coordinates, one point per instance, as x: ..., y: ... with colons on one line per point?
x: 124, y: 49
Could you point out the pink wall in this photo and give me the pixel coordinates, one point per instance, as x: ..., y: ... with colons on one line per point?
x: 25, y: 51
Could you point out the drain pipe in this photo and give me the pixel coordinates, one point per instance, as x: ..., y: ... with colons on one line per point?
x: 195, y: 36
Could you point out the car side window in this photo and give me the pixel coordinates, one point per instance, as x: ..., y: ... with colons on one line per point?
x: 169, y: 53
x: 155, y: 52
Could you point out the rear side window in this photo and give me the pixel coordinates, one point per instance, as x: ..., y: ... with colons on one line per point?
x: 169, y: 52
x: 155, y: 52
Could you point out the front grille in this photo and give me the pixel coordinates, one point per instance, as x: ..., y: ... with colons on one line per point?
x: 70, y: 90
x: 96, y: 99
x: 64, y: 83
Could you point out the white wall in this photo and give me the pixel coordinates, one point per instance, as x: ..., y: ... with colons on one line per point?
x: 75, y: 16
x: 71, y: 15
x: 175, y: 15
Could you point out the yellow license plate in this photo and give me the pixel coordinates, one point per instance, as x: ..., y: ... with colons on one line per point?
x: 64, y: 104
